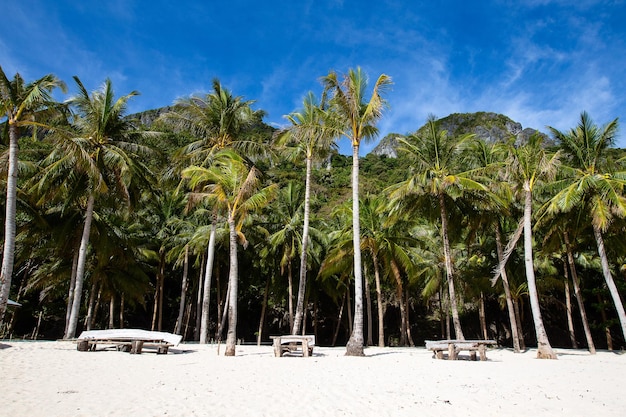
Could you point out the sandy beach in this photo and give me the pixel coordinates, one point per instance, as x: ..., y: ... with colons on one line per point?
x: 54, y: 379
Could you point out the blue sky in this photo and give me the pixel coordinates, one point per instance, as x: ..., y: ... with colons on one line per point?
x: 540, y: 62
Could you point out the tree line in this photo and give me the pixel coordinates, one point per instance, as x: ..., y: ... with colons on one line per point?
x: 110, y: 223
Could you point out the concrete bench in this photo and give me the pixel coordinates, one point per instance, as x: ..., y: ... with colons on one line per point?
x: 293, y: 344
x: 453, y: 347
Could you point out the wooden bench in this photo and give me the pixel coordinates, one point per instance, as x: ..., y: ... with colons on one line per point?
x: 453, y: 347
x: 134, y: 346
x: 290, y: 343
x: 127, y: 340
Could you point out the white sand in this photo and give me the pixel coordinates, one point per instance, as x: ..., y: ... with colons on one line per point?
x: 54, y: 379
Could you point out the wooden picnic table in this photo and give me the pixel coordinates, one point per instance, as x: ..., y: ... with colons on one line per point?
x: 291, y: 343
x: 127, y: 340
x: 453, y: 347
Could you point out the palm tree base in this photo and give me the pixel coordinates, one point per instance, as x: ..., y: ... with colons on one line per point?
x: 545, y: 352
x: 354, y: 348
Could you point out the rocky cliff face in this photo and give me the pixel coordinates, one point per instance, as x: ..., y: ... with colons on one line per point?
x: 491, y: 127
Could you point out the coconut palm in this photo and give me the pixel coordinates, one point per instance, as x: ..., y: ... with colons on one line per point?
x: 19, y: 102
x: 438, y: 178
x: 236, y: 189
x: 527, y: 166
x: 95, y: 159
x: 312, y: 135
x: 218, y: 121
x: 594, y: 186
x: 490, y: 158
x: 357, y: 118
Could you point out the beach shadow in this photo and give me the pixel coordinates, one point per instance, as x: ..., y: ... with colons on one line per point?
x: 3, y: 346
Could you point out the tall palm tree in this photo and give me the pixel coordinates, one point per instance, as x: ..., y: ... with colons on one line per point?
x: 595, y: 186
x: 19, y: 102
x: 438, y: 177
x: 311, y: 134
x: 490, y: 158
x: 218, y: 121
x: 236, y: 189
x: 96, y: 158
x: 527, y: 166
x: 357, y: 119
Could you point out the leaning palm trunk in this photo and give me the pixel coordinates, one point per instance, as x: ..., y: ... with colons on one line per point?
x: 231, y: 336
x: 544, y: 350
x: 70, y: 294
x: 449, y: 269
x: 206, y: 297
x: 9, y: 222
x: 355, y: 344
x: 606, y: 270
x: 80, y: 270
x: 507, y: 293
x: 297, y: 323
x: 578, y: 294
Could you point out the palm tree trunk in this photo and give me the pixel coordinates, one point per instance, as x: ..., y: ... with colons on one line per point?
x: 231, y: 336
x: 80, y: 271
x: 544, y: 350
x: 91, y: 306
x: 379, y: 302
x: 408, y: 315
x: 196, y: 333
x: 208, y: 271
x: 8, y: 258
x: 449, y: 269
x: 266, y: 293
x: 161, y: 288
x: 605, y: 322
x: 290, y: 293
x: 70, y: 294
x: 606, y: 270
x: 568, y: 309
x: 507, y: 292
x: 368, y: 300
x: 518, y: 320
x: 579, y: 297
x: 355, y: 344
x: 339, y: 318
x: 112, y: 312
x: 400, y: 295
x: 483, y: 316
x: 183, y: 294
x: 122, y: 311
x: 303, y: 256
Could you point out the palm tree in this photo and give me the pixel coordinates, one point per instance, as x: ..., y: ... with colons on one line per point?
x: 94, y: 159
x: 218, y: 120
x: 438, y: 177
x: 285, y: 241
x: 20, y: 103
x: 357, y: 119
x: 312, y: 134
x: 490, y: 158
x: 526, y: 167
x: 594, y: 186
x: 236, y: 189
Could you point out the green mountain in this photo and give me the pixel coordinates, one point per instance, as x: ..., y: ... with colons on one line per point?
x: 491, y: 127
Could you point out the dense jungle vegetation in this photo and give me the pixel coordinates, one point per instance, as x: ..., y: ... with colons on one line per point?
x: 164, y: 191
